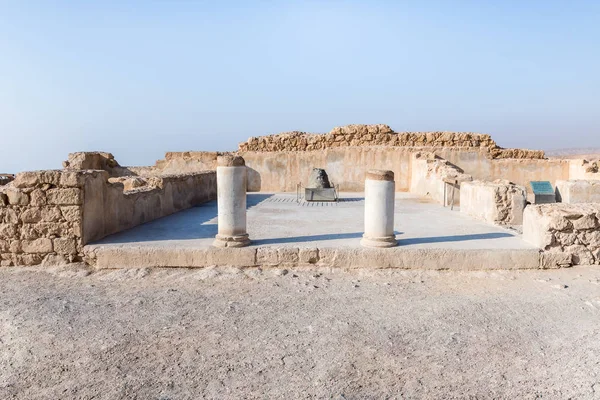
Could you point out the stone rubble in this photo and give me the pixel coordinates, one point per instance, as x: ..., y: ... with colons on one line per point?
x: 381, y: 135
x: 569, y: 234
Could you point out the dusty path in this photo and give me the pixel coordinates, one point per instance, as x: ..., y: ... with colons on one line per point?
x: 185, y: 334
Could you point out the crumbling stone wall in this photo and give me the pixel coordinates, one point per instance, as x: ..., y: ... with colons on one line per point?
x: 569, y: 234
x: 87, y: 160
x: 41, y: 218
x: 499, y: 202
x: 381, y: 135
x: 428, y: 172
x: 46, y: 217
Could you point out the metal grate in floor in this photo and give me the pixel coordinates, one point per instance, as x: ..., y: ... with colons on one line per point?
x: 304, y: 203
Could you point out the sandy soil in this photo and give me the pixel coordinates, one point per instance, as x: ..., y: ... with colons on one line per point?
x: 226, y: 333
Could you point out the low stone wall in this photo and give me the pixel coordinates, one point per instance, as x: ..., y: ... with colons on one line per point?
x: 381, y: 135
x: 578, y: 191
x: 47, y: 216
x: 427, y: 178
x: 110, y: 208
x: 498, y: 202
x: 569, y: 234
x: 41, y: 218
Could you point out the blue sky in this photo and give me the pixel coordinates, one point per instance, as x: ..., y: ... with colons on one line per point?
x: 138, y: 78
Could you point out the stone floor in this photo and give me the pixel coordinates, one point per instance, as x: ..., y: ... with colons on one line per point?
x: 279, y: 221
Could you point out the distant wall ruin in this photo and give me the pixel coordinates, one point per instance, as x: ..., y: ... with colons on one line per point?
x: 381, y: 135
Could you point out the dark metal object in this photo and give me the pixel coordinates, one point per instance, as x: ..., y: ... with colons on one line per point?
x: 317, y: 194
x: 326, y: 194
x: 543, y: 192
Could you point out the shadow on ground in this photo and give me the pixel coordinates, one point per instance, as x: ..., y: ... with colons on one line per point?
x: 453, y: 238
x: 198, y: 222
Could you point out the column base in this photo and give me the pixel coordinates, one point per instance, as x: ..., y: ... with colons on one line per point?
x: 385, y: 241
x: 231, y: 241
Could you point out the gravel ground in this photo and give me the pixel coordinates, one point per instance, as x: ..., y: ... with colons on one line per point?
x: 227, y: 333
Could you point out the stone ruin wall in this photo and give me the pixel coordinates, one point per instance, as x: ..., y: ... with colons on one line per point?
x: 382, y: 135
x: 428, y: 172
x: 568, y: 234
x: 498, y: 202
x: 279, y: 162
x: 46, y: 217
x: 41, y: 218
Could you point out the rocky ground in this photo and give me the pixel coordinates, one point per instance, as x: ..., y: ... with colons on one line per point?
x: 226, y: 333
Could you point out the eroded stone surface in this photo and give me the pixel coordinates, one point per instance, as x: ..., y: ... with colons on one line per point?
x: 318, y: 179
x: 381, y: 135
x: 565, y: 228
x: 498, y: 202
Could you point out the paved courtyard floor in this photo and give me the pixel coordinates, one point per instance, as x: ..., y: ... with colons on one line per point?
x: 278, y: 220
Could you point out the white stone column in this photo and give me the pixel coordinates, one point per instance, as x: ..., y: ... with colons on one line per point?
x: 231, y: 202
x: 380, y: 191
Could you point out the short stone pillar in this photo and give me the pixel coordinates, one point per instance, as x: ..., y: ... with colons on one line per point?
x: 380, y: 191
x: 231, y: 202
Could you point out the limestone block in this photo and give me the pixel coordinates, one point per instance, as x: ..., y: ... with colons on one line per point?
x: 237, y: 257
x: 41, y: 245
x: 288, y: 255
x: 90, y: 160
x: 585, y: 222
x: 327, y: 257
x: 4, y: 245
x: 592, y: 238
x: 267, y: 256
x: 71, y: 213
x: 573, y: 229
x: 308, y: 256
x: 72, y: 179
x: 65, y: 246
x: 75, y: 229
x: 51, y: 214
x: 497, y: 202
x: 8, y: 216
x: 70, y: 196
x: 566, y: 238
x: 31, y: 215
x: 17, y: 197
x: 28, y: 259
x: 52, y: 260
x: 48, y: 229
x: 555, y: 260
x: 34, y: 178
x: 578, y: 191
x: 15, y: 246
x: 8, y: 231
x: 37, y: 198
x: 581, y: 254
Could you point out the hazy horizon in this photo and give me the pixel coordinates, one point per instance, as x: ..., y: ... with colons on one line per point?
x: 141, y: 78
